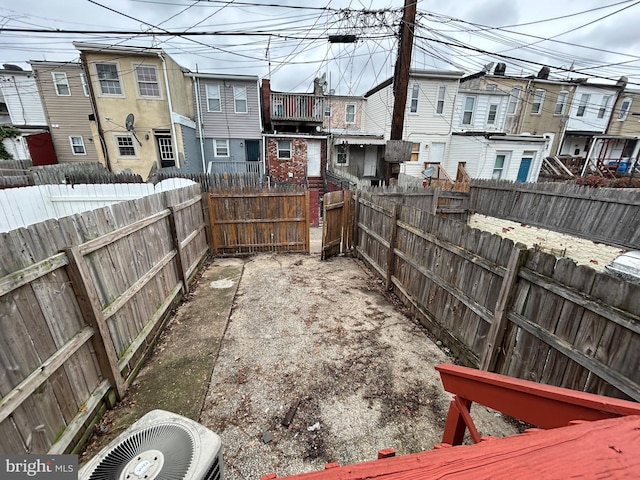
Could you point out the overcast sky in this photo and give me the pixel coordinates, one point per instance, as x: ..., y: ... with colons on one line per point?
x: 288, y: 41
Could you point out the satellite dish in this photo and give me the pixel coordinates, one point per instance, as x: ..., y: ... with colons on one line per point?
x: 129, y: 122
x: 323, y: 79
x: 428, y: 172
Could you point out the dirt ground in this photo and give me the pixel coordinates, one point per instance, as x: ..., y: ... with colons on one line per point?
x: 323, y: 334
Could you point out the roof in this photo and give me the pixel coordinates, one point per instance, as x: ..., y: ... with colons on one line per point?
x: 222, y: 76
x: 415, y: 73
x: 46, y: 63
x: 121, y: 49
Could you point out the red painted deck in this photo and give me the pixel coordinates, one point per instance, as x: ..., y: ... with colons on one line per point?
x: 601, y: 449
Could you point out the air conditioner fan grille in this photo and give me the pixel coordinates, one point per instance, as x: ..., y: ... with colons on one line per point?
x: 173, y: 441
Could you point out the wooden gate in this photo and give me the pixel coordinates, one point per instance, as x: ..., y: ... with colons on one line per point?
x: 337, y: 229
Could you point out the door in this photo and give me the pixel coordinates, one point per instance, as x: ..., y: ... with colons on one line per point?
x: 370, y: 160
x: 313, y: 158
x: 165, y: 151
x: 337, y: 229
x: 41, y: 149
x: 436, y: 155
x: 253, y: 150
x: 523, y: 171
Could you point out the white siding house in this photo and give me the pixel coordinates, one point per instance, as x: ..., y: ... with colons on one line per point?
x: 480, y: 111
x: 21, y: 96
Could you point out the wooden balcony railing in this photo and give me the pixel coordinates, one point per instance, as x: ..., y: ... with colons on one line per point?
x: 235, y: 167
x: 299, y: 107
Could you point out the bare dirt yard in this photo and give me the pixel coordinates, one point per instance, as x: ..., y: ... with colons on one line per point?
x: 323, y: 336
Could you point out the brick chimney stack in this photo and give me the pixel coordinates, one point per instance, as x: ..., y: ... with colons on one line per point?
x: 265, y: 90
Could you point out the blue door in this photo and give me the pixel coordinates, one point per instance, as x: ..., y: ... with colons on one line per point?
x: 253, y: 150
x: 523, y: 172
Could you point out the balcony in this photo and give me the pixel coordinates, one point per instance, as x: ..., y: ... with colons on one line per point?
x: 297, y: 107
x: 235, y: 167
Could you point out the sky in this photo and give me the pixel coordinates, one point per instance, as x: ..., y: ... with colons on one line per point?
x: 288, y: 41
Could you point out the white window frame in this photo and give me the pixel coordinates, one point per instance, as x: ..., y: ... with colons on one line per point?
x: 415, y: 95
x: 327, y: 110
x: 538, y: 101
x: 514, y: 98
x: 74, y: 145
x: 342, y: 150
x: 415, y: 151
x: 224, y: 144
x: 240, y: 95
x: 505, y: 165
x: 582, y: 106
x: 85, y: 85
x: 561, y: 101
x: 604, y: 105
x: 132, y: 145
x: 60, y: 79
x: 440, y: 99
x: 347, y: 114
x: 209, y: 89
x: 624, y: 112
x: 114, y: 81
x: 465, y: 109
x: 281, y: 150
x: 493, y: 110
x: 150, y: 82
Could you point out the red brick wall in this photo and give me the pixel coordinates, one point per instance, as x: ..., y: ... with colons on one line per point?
x: 280, y: 168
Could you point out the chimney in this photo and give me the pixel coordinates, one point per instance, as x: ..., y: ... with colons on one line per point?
x: 265, y: 90
x: 500, y: 69
x: 543, y: 74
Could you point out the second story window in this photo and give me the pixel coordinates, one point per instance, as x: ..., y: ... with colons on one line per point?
x: 604, y: 106
x: 240, y: 99
x: 350, y: 113
x: 85, y: 86
x: 467, y: 114
x: 415, y: 93
x: 327, y: 110
x: 582, y: 107
x: 514, y: 96
x: 493, y: 114
x: 284, y: 148
x: 442, y: 93
x: 624, y: 109
x: 538, y: 101
x: 561, y: 101
x: 147, y: 79
x: 213, y: 98
x: 61, y: 83
x: 108, y: 79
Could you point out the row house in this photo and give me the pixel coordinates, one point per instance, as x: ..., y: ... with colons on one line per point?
x: 65, y: 98
x: 295, y: 145
x: 144, y: 109
x: 620, y: 149
x: 228, y: 123
x: 21, y: 106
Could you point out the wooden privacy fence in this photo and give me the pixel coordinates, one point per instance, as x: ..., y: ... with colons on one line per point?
x: 82, y: 299
x: 337, y: 227
x: 245, y: 222
x: 608, y: 215
x: 502, y: 307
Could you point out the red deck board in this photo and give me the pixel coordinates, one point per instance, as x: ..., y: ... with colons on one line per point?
x: 601, y: 449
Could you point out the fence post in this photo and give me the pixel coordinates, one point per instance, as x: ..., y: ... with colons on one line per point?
x: 212, y: 222
x: 498, y: 325
x: 356, y: 219
x: 434, y: 201
x: 92, y: 312
x: 178, y: 246
x: 392, y: 245
x: 307, y: 219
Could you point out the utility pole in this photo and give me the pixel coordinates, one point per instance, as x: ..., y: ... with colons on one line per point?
x: 403, y: 64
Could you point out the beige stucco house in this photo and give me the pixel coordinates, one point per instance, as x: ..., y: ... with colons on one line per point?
x: 143, y: 106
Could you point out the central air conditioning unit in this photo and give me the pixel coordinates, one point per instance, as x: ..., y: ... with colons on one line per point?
x: 159, y: 446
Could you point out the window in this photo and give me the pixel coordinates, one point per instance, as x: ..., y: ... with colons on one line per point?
x: 240, y: 99
x: 442, y: 93
x: 77, y: 146
x: 125, y: 146
x: 342, y: 157
x: 147, y: 81
x: 604, y: 106
x: 350, y: 113
x: 538, y: 101
x: 327, y: 110
x: 220, y: 148
x: 213, y: 98
x: 561, y: 101
x: 61, y: 83
x: 108, y: 79
x: 85, y: 87
x: 467, y: 114
x: 514, y: 96
x: 165, y: 149
x: 624, y: 109
x: 415, y: 93
x: 584, y: 100
x: 415, y: 152
x: 493, y: 113
x: 500, y: 166
x: 284, y: 148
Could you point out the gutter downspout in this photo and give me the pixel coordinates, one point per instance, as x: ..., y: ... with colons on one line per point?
x: 94, y: 106
x: 174, y: 142
x: 261, y: 126
x: 199, y: 113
